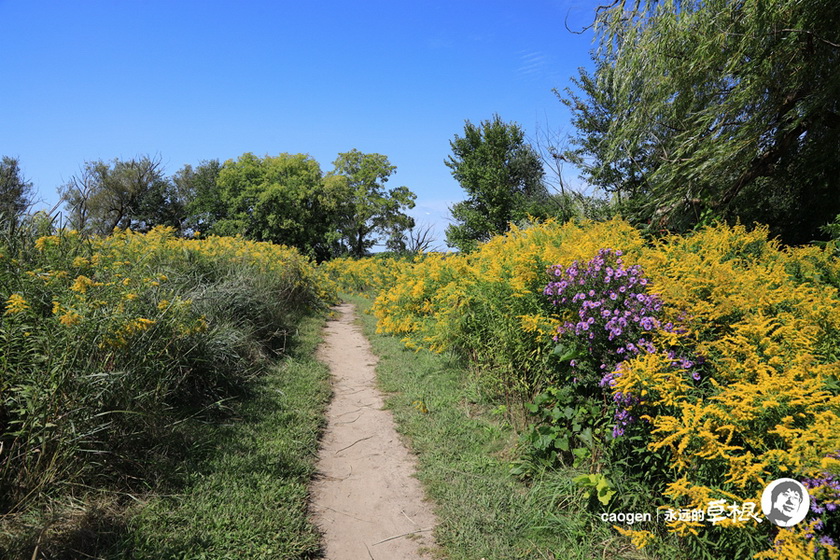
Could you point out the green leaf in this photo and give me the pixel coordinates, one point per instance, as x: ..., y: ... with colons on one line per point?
x: 566, y: 352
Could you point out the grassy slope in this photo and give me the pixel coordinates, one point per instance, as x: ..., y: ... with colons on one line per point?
x: 464, y: 447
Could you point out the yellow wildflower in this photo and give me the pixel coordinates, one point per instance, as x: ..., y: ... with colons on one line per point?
x: 70, y: 318
x: 81, y: 284
x: 640, y: 539
x: 15, y: 304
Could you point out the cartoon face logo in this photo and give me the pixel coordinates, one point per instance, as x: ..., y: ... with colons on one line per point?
x: 785, y: 502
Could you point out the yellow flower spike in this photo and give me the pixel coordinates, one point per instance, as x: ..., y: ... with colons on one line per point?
x: 16, y: 304
x: 639, y: 538
x: 70, y: 318
x: 81, y: 284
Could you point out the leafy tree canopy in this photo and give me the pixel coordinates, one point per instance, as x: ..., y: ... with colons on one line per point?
x: 198, y: 188
x: 283, y: 199
x: 126, y: 194
x: 503, y: 177
x: 713, y: 107
x: 15, y: 191
x: 373, y: 213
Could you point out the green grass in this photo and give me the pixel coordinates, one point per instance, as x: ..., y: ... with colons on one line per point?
x: 465, y: 446
x: 247, y: 497
x: 233, y: 483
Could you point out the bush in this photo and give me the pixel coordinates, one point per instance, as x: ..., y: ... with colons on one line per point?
x: 723, y: 377
x: 108, y: 343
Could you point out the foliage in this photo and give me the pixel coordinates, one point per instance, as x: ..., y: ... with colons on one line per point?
x: 15, y: 191
x: 371, y: 212
x: 282, y: 199
x: 121, y: 194
x: 502, y: 176
x: 730, y: 370
x: 599, y: 486
x: 714, y: 106
x: 368, y: 275
x: 569, y: 428
x: 109, y: 343
x: 198, y: 188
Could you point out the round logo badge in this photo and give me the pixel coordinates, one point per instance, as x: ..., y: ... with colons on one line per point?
x: 785, y: 502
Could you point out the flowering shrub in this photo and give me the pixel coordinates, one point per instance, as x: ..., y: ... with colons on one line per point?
x: 489, y: 305
x: 607, y: 316
x: 725, y: 355
x: 107, y: 342
x: 768, y: 404
x: 368, y: 275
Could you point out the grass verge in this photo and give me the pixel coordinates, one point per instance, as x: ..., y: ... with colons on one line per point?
x: 247, y: 497
x: 235, y: 484
x: 464, y: 447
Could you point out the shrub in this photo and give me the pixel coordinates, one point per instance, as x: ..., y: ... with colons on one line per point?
x: 109, y: 342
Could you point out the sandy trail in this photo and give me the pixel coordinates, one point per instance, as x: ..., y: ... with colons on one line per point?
x: 364, y: 497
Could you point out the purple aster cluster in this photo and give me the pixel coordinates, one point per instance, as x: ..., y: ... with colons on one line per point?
x: 610, y: 313
x: 825, y: 502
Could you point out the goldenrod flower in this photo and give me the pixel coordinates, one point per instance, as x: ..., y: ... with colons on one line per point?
x: 70, y: 318
x: 81, y: 284
x: 15, y: 304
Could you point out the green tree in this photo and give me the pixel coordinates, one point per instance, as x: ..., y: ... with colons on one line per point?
x: 126, y: 194
x: 713, y: 107
x: 283, y: 199
x: 198, y: 189
x: 15, y: 191
x: 372, y: 212
x: 503, y: 177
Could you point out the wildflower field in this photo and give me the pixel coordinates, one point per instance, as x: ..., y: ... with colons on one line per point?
x: 683, y: 374
x: 110, y: 344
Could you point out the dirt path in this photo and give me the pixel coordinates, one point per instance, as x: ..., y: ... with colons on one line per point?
x: 364, y: 498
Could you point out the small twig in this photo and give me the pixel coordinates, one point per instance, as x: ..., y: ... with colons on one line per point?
x: 369, y: 554
x: 349, y: 412
x: 410, y: 519
x: 352, y: 444
x: 348, y: 515
x: 403, y: 535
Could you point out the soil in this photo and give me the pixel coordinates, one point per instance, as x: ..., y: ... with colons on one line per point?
x: 365, y: 498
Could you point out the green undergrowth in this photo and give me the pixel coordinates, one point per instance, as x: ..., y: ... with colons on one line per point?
x: 465, y: 447
x: 247, y: 498
x: 237, y: 487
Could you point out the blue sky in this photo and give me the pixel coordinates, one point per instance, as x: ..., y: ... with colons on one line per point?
x: 189, y: 81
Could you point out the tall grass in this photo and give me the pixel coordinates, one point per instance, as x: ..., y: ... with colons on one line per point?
x: 107, y: 345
